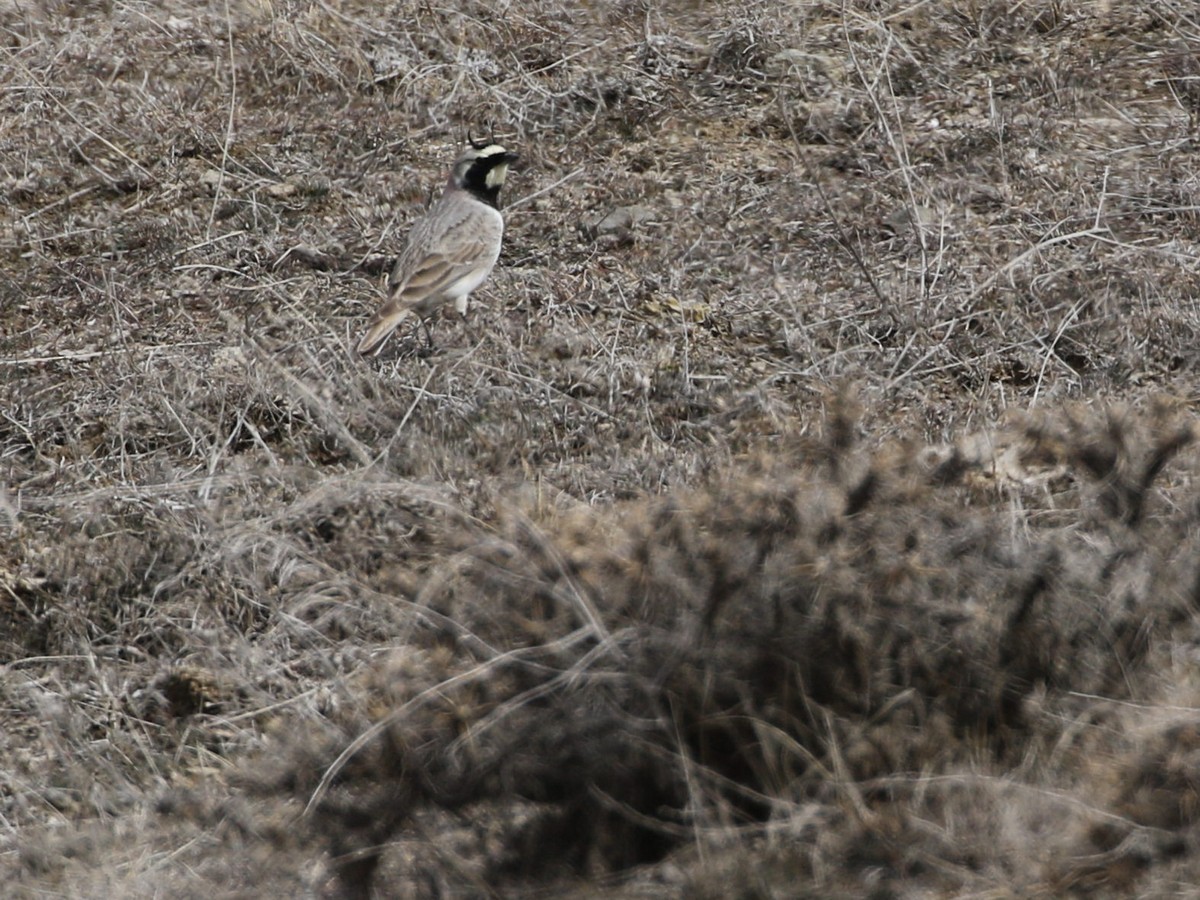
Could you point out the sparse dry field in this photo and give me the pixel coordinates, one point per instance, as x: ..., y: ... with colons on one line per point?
x: 807, y: 507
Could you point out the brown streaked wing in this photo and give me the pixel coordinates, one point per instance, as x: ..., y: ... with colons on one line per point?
x: 423, y: 279
x: 438, y: 271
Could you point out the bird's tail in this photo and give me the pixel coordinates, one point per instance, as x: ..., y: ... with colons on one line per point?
x: 384, y: 322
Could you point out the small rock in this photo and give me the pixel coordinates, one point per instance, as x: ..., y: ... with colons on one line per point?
x: 282, y: 189
x: 619, y: 221
x: 24, y: 188
x: 210, y: 178
x: 904, y: 220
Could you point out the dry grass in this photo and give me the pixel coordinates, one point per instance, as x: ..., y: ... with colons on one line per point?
x: 807, y: 506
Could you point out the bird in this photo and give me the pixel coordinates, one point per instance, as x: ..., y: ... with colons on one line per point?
x: 451, y: 250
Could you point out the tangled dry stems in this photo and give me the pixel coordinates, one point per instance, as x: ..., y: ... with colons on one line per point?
x: 791, y: 646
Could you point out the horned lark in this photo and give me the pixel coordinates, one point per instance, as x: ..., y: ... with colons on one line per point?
x: 452, y: 249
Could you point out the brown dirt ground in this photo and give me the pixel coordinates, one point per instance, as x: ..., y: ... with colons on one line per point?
x: 806, y: 506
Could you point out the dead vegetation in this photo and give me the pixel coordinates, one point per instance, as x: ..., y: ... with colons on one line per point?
x: 808, y: 507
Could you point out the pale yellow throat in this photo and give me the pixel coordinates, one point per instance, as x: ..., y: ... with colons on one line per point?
x: 495, y: 176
